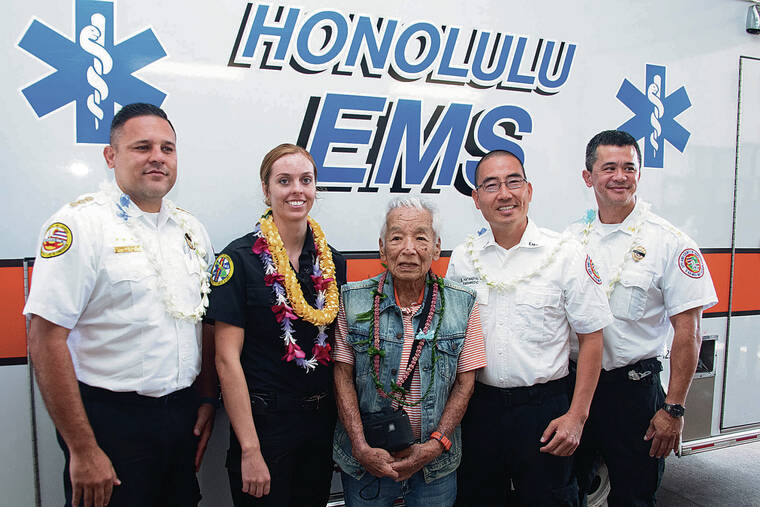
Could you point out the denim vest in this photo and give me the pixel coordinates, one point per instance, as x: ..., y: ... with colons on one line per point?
x: 357, y: 298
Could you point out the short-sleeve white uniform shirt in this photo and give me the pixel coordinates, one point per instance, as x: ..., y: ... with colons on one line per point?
x: 98, y: 280
x: 662, y: 273
x: 527, y: 327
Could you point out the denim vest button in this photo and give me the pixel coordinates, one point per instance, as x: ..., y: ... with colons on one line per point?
x: 394, y: 371
x: 399, y: 335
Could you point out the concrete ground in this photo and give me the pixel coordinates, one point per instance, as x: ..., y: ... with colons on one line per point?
x: 725, y: 477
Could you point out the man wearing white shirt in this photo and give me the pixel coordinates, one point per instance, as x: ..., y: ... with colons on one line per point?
x: 655, y: 278
x: 534, y: 286
x: 119, y: 289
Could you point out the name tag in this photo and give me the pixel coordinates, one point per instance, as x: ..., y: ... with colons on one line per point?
x: 127, y: 249
x: 476, y: 284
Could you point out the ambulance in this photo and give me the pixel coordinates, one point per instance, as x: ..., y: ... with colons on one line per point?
x: 391, y: 98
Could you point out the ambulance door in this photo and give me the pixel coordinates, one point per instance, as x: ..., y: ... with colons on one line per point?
x: 742, y: 374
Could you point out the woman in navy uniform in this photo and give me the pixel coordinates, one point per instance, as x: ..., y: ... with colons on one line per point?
x: 275, y: 294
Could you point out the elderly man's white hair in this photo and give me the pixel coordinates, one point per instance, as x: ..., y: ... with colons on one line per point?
x: 414, y: 203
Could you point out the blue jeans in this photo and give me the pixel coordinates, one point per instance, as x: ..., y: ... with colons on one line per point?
x: 369, y: 491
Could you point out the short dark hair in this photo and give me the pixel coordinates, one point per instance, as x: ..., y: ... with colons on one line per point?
x: 497, y: 153
x: 609, y: 138
x: 134, y: 110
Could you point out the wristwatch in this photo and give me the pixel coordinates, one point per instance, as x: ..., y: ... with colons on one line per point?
x: 445, y: 442
x: 674, y: 409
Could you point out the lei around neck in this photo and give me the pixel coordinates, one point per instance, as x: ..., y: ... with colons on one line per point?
x: 290, y: 302
x: 125, y: 209
x: 397, y: 392
x: 638, y: 217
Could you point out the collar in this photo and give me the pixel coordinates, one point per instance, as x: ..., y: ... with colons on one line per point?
x: 390, y: 294
x: 627, y: 225
x: 531, y: 238
x: 126, y: 209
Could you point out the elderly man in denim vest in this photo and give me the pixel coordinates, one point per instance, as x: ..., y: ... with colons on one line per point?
x: 407, y: 346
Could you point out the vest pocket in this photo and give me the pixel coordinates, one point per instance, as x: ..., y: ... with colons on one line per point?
x: 448, y: 350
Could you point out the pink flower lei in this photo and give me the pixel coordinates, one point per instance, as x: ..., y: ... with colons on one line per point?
x: 283, y: 311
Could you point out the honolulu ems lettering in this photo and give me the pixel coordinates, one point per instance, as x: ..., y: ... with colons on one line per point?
x: 368, y: 141
x: 345, y: 44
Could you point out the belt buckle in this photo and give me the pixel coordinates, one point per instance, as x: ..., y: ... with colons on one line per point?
x: 635, y: 375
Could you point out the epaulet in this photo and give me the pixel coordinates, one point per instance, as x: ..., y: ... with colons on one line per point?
x: 85, y: 199
x: 664, y: 224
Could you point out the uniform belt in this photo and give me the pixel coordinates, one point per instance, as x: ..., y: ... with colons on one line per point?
x: 264, y: 401
x: 132, y: 398
x: 645, y: 370
x: 523, y: 395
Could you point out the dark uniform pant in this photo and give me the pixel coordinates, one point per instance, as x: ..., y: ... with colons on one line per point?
x: 150, y: 443
x: 296, y: 442
x: 500, y: 442
x: 620, y: 413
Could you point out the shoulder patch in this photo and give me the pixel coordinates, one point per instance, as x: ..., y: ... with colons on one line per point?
x: 57, y: 240
x: 221, y: 271
x: 591, y: 270
x: 690, y: 263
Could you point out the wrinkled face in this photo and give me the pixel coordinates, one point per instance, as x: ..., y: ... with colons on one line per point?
x: 614, y: 176
x: 506, y: 207
x: 410, y: 246
x: 144, y: 160
x: 291, y: 188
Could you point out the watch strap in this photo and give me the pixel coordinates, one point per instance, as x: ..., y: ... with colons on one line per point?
x: 445, y: 442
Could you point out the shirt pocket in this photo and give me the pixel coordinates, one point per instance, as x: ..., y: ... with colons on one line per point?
x: 629, y: 299
x: 130, y: 289
x: 535, y: 309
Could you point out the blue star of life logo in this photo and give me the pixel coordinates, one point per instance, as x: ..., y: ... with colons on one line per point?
x: 90, y: 69
x: 655, y: 114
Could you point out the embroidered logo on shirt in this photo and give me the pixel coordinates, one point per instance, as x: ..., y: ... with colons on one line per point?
x: 221, y: 271
x: 591, y: 270
x: 58, y: 239
x: 691, y: 263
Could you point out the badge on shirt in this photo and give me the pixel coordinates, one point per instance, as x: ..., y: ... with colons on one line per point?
x: 58, y: 239
x: 221, y: 271
x: 691, y: 263
x: 591, y: 270
x: 638, y: 253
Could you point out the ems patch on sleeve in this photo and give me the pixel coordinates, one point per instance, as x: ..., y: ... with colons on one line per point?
x: 690, y: 263
x: 591, y: 270
x: 58, y: 239
x: 221, y: 271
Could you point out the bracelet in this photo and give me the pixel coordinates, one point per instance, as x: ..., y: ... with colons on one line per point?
x: 445, y: 442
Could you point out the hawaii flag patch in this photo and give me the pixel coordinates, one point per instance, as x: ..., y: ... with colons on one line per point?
x: 57, y: 240
x: 690, y: 263
x: 221, y: 271
x: 591, y: 270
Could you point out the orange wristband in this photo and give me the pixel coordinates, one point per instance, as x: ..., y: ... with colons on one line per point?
x: 445, y: 442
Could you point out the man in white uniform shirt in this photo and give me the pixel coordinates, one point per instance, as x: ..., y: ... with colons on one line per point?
x: 655, y: 278
x: 117, y: 295
x: 533, y: 286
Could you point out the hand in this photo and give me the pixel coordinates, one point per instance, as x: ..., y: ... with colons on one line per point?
x: 567, y: 431
x: 413, y: 458
x: 665, y: 433
x: 376, y: 461
x: 92, y: 478
x: 255, y: 473
x: 204, y: 424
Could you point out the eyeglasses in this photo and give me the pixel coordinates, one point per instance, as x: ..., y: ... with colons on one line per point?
x: 493, y: 186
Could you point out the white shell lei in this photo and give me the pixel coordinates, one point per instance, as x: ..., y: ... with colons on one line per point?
x: 510, y: 284
x: 641, y: 210
x: 123, y: 203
